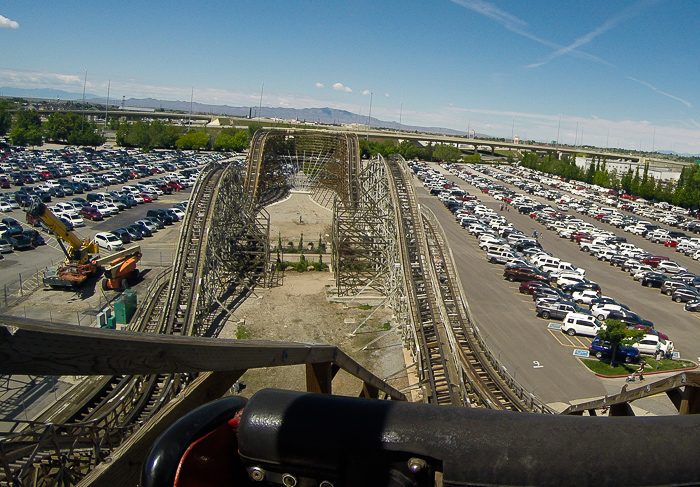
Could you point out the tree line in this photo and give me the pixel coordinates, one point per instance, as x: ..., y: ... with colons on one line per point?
x: 432, y: 152
x: 684, y: 193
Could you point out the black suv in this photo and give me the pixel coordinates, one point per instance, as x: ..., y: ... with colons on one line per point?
x: 653, y: 279
x: 629, y: 318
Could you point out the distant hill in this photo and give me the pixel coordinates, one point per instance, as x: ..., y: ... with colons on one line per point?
x: 322, y: 115
x: 43, y: 93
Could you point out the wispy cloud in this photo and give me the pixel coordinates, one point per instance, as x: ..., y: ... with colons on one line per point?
x: 686, y: 103
x: 514, y: 24
x: 366, y: 92
x: 6, y: 23
x: 609, y: 24
x: 340, y: 87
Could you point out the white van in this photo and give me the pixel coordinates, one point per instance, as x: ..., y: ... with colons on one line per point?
x: 580, y: 324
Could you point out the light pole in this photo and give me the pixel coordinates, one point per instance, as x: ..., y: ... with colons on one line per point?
x: 369, y: 117
x: 400, y: 115
x: 558, y: 127
x: 512, y: 130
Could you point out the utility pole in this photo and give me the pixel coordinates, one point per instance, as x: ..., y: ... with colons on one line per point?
x: 107, y: 105
x: 558, y: 127
x: 189, y: 119
x: 369, y: 117
x: 260, y: 107
x: 84, y: 84
x: 400, y: 115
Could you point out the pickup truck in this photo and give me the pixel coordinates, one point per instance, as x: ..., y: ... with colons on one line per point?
x: 501, y: 256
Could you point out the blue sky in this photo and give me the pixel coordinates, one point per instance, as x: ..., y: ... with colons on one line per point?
x: 608, y: 73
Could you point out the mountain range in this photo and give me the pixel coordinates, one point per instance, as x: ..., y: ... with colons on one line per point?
x: 324, y: 115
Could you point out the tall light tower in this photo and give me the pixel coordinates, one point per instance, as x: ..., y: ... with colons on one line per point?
x: 369, y: 117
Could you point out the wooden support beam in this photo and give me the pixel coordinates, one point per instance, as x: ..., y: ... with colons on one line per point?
x: 123, y: 466
x: 319, y: 378
x: 676, y: 397
x: 369, y: 391
x: 621, y: 409
x: 42, y: 348
x: 691, y: 401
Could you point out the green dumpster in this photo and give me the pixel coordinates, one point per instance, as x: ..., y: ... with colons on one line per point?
x: 125, y: 306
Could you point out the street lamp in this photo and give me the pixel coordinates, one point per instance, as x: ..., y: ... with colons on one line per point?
x: 369, y: 117
x: 558, y: 127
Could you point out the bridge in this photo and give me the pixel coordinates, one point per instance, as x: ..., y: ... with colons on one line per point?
x: 142, y: 381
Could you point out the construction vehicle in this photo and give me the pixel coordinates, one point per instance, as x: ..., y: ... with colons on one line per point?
x: 82, y: 260
x: 79, y: 263
x: 120, y: 268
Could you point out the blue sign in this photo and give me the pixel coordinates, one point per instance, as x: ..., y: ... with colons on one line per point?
x: 554, y: 326
x: 581, y: 353
x: 676, y: 355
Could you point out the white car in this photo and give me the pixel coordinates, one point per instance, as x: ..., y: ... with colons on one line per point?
x: 670, y: 267
x: 75, y: 219
x: 580, y: 324
x: 567, y: 278
x: 653, y: 344
x: 5, y: 207
x: 180, y: 214
x: 640, y: 271
x: 585, y: 296
x: 108, y: 241
x: 601, y: 311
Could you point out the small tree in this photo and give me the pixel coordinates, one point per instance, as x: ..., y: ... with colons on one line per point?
x: 617, y: 333
x: 300, y: 248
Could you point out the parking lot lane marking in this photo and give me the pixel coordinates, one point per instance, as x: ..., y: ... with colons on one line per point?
x: 557, y: 334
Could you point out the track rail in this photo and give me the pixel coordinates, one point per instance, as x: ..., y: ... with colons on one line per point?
x: 484, y: 382
x: 436, y: 372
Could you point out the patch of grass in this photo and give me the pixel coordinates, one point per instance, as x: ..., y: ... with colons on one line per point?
x: 602, y: 367
x: 386, y: 326
x: 365, y: 306
x: 242, y: 333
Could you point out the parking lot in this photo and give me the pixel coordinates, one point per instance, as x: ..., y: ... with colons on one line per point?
x: 540, y: 357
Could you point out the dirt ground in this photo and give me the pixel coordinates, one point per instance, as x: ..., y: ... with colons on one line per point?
x: 306, y: 309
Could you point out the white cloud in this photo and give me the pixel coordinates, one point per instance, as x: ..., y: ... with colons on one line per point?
x: 366, y: 92
x: 319, y: 85
x: 340, y: 87
x: 7, y: 23
x: 386, y: 95
x: 32, y: 79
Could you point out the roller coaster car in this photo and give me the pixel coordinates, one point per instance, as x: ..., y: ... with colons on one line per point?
x: 120, y: 269
x: 295, y: 439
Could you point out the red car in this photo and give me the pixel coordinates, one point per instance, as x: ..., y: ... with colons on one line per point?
x: 91, y: 214
x: 146, y: 198
x: 671, y: 243
x: 653, y: 260
x: 5, y: 183
x: 529, y: 287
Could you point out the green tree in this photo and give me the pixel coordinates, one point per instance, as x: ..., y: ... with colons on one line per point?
x: 446, y: 152
x: 26, y: 128
x: 193, y: 140
x: 254, y: 127
x: 5, y: 117
x: 617, y: 333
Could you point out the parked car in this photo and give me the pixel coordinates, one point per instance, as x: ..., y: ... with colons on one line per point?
x: 692, y: 306
x: 122, y: 234
x: 524, y: 273
x: 141, y: 229
x: 585, y: 296
x: 684, y: 294
x: 629, y: 318
x: 623, y: 353
x: 606, y: 300
x: 91, y: 214
x: 21, y: 242
x: 653, y: 344
x: 558, y: 310
x: 35, y: 237
x: 148, y: 224
x: 670, y: 266
x: 5, y: 246
x: 654, y: 279
x: 580, y: 324
x: 108, y: 241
